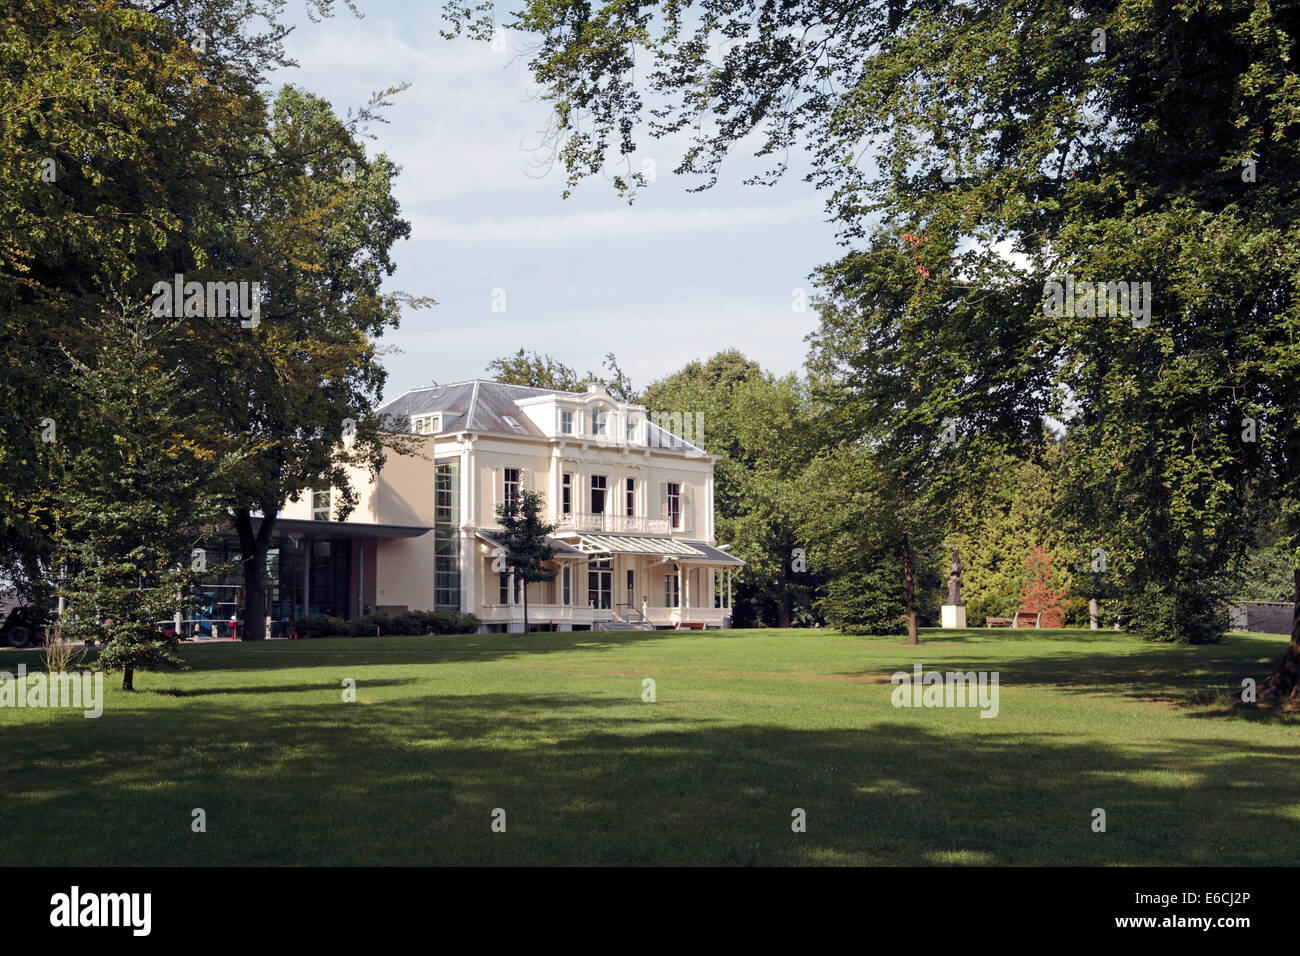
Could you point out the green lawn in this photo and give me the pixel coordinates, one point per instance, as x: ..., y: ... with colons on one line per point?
x: 747, y: 726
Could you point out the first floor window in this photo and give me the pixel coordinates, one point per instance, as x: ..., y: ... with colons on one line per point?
x: 598, y: 488
x: 320, y: 505
x: 566, y: 494
x: 631, y: 497
x: 674, y: 505
x: 513, y: 485
x: 503, y: 593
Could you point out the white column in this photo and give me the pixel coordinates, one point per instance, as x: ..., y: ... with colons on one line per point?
x: 688, y: 586
x: 728, y: 589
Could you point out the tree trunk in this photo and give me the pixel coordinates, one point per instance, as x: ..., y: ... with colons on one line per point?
x: 1092, y: 613
x: 128, y: 678
x: 909, y: 591
x: 253, y: 549
x: 1285, y: 682
x: 783, y: 602
x: 525, y: 605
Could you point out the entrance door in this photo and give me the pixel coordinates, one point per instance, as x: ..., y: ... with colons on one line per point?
x: 600, y: 581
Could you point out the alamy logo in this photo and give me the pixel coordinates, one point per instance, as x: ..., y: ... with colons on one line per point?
x: 215, y: 300
x: 954, y: 689
x: 102, y: 909
x: 83, y: 689
x: 1085, y: 298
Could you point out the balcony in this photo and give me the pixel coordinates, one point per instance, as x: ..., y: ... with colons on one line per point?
x: 612, y: 524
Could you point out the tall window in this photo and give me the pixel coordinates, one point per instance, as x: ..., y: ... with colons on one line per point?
x: 599, y: 420
x: 629, y: 428
x: 320, y: 505
x: 598, y: 488
x: 503, y: 591
x: 631, y: 497
x: 675, y: 505
x: 631, y: 587
x: 566, y: 585
x: 566, y: 494
x: 671, y: 593
x: 566, y: 422
x: 446, y: 535
x: 600, y: 575
x: 513, y: 484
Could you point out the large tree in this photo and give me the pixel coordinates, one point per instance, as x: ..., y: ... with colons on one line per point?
x: 545, y: 371
x: 764, y: 430
x: 1120, y: 142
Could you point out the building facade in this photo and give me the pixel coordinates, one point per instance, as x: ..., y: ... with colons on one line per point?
x: 632, y: 505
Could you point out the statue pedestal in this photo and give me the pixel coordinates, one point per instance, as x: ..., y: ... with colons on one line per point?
x: 952, y: 615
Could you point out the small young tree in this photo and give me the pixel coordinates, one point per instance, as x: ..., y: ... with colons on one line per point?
x: 1037, y: 594
x: 523, y: 538
x: 133, y: 500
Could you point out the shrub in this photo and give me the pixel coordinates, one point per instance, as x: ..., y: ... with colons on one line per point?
x: 412, y: 622
x: 870, y: 604
x: 1194, y: 616
x: 320, y: 625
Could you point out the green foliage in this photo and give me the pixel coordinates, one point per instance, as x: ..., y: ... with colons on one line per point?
x: 379, y: 624
x: 543, y: 371
x: 132, y: 500
x: 764, y: 430
x: 866, y: 602
x: 1267, y: 575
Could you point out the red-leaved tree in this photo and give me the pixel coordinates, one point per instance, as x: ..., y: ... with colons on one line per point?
x: 1037, y: 594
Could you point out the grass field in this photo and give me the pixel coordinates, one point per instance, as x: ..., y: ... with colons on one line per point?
x: 747, y: 726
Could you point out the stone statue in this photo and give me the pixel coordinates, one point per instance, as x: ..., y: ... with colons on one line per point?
x: 954, y: 579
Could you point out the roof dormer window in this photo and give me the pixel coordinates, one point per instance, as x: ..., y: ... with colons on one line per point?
x: 426, y: 424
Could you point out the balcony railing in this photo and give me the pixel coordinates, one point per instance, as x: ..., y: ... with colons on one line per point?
x: 612, y: 524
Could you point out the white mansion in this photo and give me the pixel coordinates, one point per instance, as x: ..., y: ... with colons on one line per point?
x: 632, y: 505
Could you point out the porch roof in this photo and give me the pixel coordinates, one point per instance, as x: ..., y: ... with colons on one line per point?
x: 670, y: 548
x: 562, y: 549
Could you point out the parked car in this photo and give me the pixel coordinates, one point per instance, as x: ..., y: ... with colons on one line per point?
x: 23, y: 627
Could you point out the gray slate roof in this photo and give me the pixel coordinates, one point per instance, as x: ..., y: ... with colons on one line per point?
x: 482, y: 406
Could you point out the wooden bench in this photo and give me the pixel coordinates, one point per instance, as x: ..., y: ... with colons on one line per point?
x: 1020, y: 619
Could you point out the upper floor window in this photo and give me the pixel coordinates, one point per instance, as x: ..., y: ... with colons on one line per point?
x: 566, y: 421
x: 599, y: 421
x: 631, y: 497
x: 675, y: 505
x: 598, y: 488
x: 513, y: 485
x: 320, y: 505
x: 629, y: 428
x: 426, y: 424
x: 566, y: 494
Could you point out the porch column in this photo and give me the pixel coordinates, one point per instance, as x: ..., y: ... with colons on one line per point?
x: 688, y: 586
x: 728, y: 589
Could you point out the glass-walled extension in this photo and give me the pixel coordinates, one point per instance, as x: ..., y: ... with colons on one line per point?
x: 312, y: 567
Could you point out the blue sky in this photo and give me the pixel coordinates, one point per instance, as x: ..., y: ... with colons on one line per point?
x: 678, y: 276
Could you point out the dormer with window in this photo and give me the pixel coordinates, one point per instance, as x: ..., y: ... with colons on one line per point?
x: 427, y: 424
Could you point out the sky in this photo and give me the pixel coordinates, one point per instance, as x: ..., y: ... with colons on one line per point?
x: 675, y: 277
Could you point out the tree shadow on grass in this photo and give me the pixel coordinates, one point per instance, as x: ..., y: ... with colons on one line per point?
x: 599, y: 780
x: 260, y: 689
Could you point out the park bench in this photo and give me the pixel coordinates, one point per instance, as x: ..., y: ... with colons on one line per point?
x: 1020, y: 619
